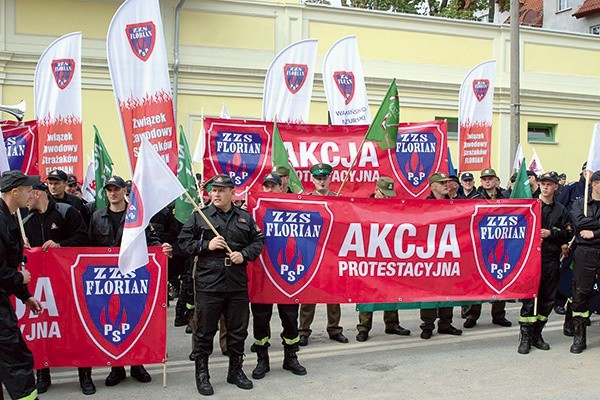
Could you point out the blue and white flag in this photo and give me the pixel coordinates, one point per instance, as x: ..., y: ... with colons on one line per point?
x: 4, y: 166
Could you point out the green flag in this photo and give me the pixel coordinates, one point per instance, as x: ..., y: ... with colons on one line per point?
x: 183, y: 207
x: 103, y: 164
x: 521, y: 189
x: 280, y: 157
x: 384, y: 128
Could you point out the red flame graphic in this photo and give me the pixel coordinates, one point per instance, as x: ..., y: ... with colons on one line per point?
x: 236, y: 160
x: 415, y: 165
x: 115, y: 314
x: 290, y: 254
x: 499, y: 256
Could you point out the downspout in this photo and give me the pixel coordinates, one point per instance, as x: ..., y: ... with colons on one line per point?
x: 176, y: 58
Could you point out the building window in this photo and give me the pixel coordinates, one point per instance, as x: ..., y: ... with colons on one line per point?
x: 541, y: 133
x: 564, y: 5
x: 595, y: 30
x: 452, y: 124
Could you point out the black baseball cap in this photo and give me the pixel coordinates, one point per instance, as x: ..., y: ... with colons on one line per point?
x: 13, y: 179
x: 39, y: 185
x: 57, y: 175
x: 467, y: 176
x: 273, y: 178
x: 222, y: 180
x: 71, y: 180
x: 549, y: 176
x: 115, y: 181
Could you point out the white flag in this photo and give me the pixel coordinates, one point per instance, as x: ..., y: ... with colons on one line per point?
x: 88, y: 188
x: 344, y: 84
x: 289, y: 83
x: 535, y: 164
x: 518, y: 158
x: 225, y: 112
x: 153, y: 187
x: 199, y: 149
x: 593, y: 160
x: 4, y: 166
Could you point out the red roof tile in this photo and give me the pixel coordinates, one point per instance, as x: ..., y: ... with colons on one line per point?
x: 587, y: 8
x: 531, y: 13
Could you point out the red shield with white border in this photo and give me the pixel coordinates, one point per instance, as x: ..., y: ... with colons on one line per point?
x: 114, y: 308
x: 295, y: 241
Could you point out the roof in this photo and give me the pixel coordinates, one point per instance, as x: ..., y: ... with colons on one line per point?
x: 531, y: 13
x: 588, y: 7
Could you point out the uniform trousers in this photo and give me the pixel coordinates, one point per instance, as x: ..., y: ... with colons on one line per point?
x: 365, y: 320
x: 428, y: 316
x: 586, y: 270
x: 498, y: 311
x: 546, y: 293
x: 307, y: 315
x: 261, y: 320
x: 235, y: 309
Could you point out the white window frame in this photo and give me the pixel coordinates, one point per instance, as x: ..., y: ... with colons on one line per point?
x: 563, y: 5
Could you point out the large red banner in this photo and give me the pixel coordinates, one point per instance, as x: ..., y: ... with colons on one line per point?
x: 351, y: 250
x: 94, y: 315
x: 242, y: 149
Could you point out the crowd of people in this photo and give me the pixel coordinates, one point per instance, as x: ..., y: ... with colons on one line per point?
x: 209, y: 254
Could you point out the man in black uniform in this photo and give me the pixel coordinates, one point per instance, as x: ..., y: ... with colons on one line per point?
x: 52, y: 224
x: 438, y: 184
x: 106, y: 229
x: 16, y: 360
x: 284, y: 174
x: 586, y: 260
x: 221, y: 281
x: 321, y: 179
x: 467, y: 188
x: 57, y: 186
x: 556, y: 231
x: 288, y: 313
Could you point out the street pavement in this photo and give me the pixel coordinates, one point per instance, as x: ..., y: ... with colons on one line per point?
x: 483, y: 363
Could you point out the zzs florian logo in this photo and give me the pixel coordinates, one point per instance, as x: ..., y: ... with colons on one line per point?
x: 295, y: 241
x: 503, y: 239
x: 114, y: 308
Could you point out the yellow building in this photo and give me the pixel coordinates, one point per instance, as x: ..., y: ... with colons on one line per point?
x: 226, y: 46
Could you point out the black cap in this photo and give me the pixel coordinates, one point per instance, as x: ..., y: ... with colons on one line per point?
x: 222, y: 180
x: 549, y: 176
x: 454, y: 178
x: 584, y: 166
x: 115, y: 181
x: 273, y: 178
x: 467, y: 176
x: 562, y: 176
x: 531, y: 173
x: 13, y: 179
x: 39, y: 185
x: 595, y: 176
x: 71, y: 180
x: 513, y: 177
x: 57, y: 175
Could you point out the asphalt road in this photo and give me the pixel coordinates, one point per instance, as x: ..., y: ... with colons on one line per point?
x: 483, y: 363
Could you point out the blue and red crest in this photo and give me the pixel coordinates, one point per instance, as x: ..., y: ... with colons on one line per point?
x: 114, y: 308
x: 141, y: 38
x: 134, y: 214
x: 480, y: 88
x: 63, y: 71
x: 502, y: 238
x: 295, y: 76
x: 345, y: 84
x: 419, y: 153
x: 20, y: 143
x: 240, y: 151
x: 295, y: 242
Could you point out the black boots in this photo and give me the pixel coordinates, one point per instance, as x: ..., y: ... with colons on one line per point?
x: 579, y: 339
x: 536, y: 339
x: 262, y: 362
x: 524, y: 339
x: 290, y: 360
x: 85, y: 381
x: 202, y: 376
x: 568, y: 325
x: 235, y: 374
x: 43, y: 380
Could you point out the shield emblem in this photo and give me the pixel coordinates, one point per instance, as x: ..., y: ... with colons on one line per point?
x: 240, y: 151
x: 20, y: 142
x: 345, y: 84
x: 502, y: 238
x: 295, y: 76
x: 63, y: 71
x: 480, y: 88
x: 134, y: 215
x: 141, y: 38
x: 418, y: 154
x: 114, y: 308
x: 295, y: 242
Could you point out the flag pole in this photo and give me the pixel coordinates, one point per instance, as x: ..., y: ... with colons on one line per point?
x: 210, y: 225
x: 351, y: 165
x: 585, y: 192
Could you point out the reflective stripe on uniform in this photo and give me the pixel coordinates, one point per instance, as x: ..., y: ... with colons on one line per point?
x: 542, y: 318
x: 31, y: 396
x: 261, y: 342
x: 527, y: 320
x: 189, y: 306
x: 584, y: 314
x: 290, y: 342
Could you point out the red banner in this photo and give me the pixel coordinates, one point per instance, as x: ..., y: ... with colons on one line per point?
x: 351, y: 250
x: 21, y: 141
x: 242, y: 149
x: 94, y: 315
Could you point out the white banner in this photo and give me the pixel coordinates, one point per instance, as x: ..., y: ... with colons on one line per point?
x: 344, y: 84
x: 57, y: 102
x: 593, y: 160
x: 289, y: 83
x: 536, y: 164
x: 475, y: 106
x: 137, y: 60
x: 88, y: 188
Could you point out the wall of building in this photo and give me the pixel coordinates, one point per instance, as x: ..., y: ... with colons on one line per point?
x: 226, y: 47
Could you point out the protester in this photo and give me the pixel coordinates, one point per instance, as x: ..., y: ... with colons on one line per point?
x: 321, y: 179
x: 284, y: 173
x: 16, y: 360
x: 221, y: 280
x: 384, y: 189
x: 467, y: 188
x: 556, y: 230
x: 57, y: 186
